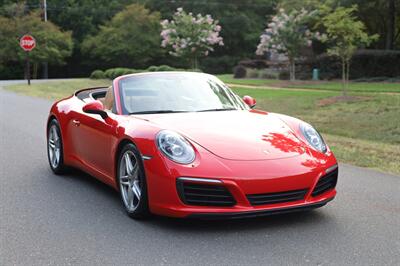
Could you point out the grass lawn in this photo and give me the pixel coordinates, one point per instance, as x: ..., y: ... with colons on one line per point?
x: 228, y: 78
x: 57, y: 89
x: 363, y: 132
x: 314, y: 85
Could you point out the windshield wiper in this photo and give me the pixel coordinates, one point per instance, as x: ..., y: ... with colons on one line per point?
x: 156, y: 112
x: 218, y: 109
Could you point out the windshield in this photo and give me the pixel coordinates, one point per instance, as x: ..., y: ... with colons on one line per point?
x: 176, y: 92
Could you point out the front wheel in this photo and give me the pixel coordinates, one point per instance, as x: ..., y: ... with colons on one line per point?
x: 55, y: 148
x: 132, y: 182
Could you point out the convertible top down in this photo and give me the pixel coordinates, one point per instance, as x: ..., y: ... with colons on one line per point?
x: 183, y: 144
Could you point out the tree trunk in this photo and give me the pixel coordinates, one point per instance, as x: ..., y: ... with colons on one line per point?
x: 195, y: 63
x: 347, y: 74
x: 391, y: 24
x: 292, y: 69
x: 343, y: 77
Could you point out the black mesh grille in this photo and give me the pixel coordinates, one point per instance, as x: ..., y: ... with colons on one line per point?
x: 326, y: 183
x: 277, y: 197
x: 204, y: 194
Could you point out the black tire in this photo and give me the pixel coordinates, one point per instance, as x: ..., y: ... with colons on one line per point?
x: 142, y: 209
x: 60, y: 167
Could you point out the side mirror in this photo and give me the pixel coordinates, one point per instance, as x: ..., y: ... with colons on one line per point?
x: 250, y: 101
x: 95, y: 107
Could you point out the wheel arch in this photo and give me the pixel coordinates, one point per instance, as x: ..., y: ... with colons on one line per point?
x: 122, y: 143
x: 49, y: 119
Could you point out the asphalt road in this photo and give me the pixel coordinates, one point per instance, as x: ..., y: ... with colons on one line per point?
x: 74, y: 219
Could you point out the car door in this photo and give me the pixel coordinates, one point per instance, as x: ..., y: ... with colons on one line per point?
x: 92, y: 137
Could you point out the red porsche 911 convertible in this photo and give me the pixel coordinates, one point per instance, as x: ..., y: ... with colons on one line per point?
x: 183, y: 144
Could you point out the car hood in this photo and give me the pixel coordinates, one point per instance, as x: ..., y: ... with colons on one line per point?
x: 235, y: 135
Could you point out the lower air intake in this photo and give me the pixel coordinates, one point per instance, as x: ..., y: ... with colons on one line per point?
x: 277, y: 197
x: 204, y: 194
x: 326, y: 183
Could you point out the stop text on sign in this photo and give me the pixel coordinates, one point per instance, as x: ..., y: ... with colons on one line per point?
x: 27, y: 42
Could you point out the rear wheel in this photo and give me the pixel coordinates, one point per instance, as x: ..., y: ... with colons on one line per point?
x: 55, y: 148
x: 132, y: 182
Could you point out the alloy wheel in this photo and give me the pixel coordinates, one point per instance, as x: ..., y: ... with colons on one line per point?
x: 54, y: 146
x: 129, y: 180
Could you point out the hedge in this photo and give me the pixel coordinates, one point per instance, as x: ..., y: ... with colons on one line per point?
x: 364, y: 65
x: 112, y: 73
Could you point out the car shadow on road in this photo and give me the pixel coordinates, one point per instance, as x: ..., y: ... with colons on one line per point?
x: 277, y: 221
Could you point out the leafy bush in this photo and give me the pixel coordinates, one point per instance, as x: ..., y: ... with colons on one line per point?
x: 239, y: 72
x: 268, y: 74
x: 254, y: 63
x: 98, y: 74
x: 372, y: 65
x: 284, y: 75
x: 219, y: 64
x: 11, y: 71
x: 113, y: 73
x: 364, y: 63
x: 160, y: 68
x: 165, y: 68
x: 252, y: 73
x: 152, y: 68
x: 192, y: 70
x: 109, y: 73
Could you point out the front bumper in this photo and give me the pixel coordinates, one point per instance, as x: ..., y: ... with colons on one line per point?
x: 241, y: 179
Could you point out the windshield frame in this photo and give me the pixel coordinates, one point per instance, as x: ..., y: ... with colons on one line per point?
x: 121, y: 109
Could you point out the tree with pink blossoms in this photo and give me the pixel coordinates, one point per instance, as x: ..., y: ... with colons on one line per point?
x: 287, y: 34
x: 190, y: 36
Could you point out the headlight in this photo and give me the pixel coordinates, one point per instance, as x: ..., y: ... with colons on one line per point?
x: 175, y: 147
x: 313, y: 137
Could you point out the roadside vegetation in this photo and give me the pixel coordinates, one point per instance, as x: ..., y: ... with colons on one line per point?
x: 315, y: 85
x: 364, y: 130
x: 55, y: 90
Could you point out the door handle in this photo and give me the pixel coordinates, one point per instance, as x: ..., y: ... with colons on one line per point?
x: 76, y: 122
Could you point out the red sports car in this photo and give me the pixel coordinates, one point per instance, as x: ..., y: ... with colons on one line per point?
x: 183, y: 144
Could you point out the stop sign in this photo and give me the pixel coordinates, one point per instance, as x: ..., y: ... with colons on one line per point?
x: 27, y: 42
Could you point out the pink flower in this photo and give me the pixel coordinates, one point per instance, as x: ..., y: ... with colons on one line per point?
x: 165, y: 33
x: 209, y: 19
x: 164, y: 23
x: 164, y: 43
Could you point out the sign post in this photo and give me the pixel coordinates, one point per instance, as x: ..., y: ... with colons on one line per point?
x: 27, y: 43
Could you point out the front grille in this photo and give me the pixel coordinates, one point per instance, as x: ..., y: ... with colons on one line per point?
x: 326, y: 183
x: 204, y: 194
x: 277, y: 197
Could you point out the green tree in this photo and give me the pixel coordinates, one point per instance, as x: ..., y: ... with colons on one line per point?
x: 131, y: 38
x: 241, y: 21
x: 379, y: 16
x: 83, y: 17
x: 345, y: 34
x: 52, y: 44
